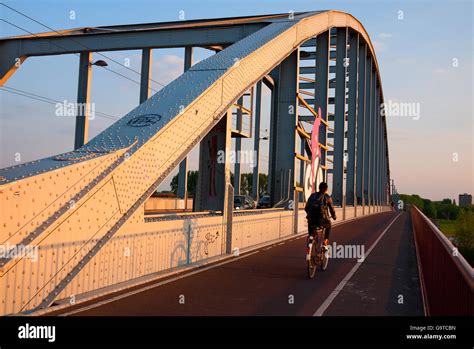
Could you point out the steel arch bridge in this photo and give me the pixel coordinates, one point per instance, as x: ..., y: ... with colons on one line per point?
x: 81, y: 209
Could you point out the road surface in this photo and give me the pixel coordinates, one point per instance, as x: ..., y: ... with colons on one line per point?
x: 273, y: 280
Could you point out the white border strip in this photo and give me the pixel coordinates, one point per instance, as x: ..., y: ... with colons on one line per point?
x: 323, y: 307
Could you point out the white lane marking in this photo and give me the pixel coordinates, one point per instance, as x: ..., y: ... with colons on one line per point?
x: 131, y: 293
x: 323, y: 307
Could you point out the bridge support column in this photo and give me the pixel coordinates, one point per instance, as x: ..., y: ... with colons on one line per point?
x: 238, y: 149
x: 367, y: 137
x: 378, y: 149
x: 384, y: 185
x: 373, y: 145
x: 83, y: 94
x: 145, y: 75
x: 256, y: 143
x: 352, y: 120
x: 282, y: 130
x: 338, y: 195
x: 361, y: 117
x: 214, y: 167
x: 321, y: 90
x: 182, y: 192
x: 382, y: 159
x: 385, y: 175
x: 273, y: 97
x: 228, y: 217
x: 302, y: 169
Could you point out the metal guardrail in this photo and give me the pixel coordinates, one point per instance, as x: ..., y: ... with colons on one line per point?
x: 447, y: 278
x: 256, y: 211
x: 172, y: 216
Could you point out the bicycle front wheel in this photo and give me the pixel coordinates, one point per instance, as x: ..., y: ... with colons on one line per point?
x: 312, y: 261
x: 324, y: 260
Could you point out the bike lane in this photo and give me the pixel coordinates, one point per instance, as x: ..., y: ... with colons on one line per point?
x: 388, y: 282
x: 271, y: 281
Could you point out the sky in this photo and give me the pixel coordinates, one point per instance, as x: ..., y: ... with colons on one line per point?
x: 424, y: 50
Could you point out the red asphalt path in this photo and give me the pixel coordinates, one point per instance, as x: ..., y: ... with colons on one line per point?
x: 272, y: 281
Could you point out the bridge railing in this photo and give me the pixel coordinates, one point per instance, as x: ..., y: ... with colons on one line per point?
x: 446, y: 277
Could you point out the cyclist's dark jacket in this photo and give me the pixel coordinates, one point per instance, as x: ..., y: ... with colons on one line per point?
x: 312, y: 212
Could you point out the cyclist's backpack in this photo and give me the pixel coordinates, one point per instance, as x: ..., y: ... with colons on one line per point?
x: 318, y: 208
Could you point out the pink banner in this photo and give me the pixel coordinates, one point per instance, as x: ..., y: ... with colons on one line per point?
x: 315, y: 149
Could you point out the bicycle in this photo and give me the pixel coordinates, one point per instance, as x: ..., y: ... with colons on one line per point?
x: 316, y: 254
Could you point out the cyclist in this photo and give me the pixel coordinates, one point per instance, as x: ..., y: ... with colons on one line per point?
x: 317, y: 212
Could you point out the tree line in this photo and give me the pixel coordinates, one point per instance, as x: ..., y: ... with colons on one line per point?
x: 245, y: 183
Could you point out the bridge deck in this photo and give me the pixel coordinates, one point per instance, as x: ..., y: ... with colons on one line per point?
x: 264, y: 282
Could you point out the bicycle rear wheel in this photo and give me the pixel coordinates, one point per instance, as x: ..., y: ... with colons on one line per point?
x: 312, y: 261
